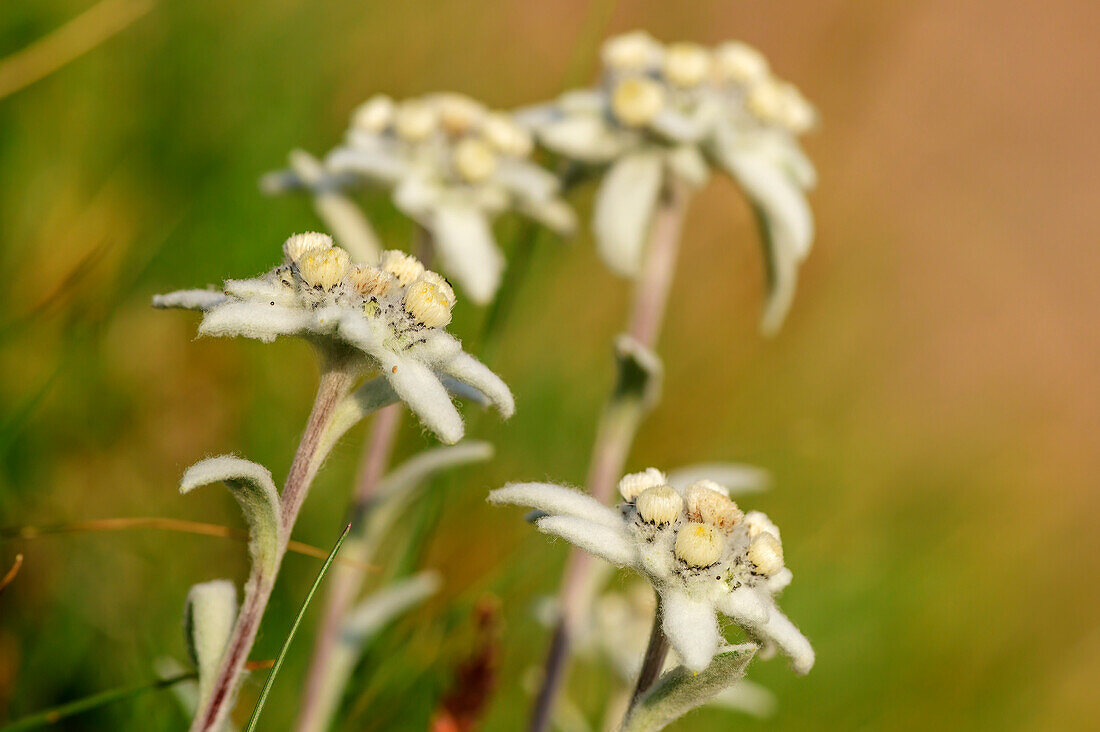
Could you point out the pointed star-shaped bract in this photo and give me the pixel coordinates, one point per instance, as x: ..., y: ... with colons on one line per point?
x: 698, y: 550
x: 681, y: 109
x: 391, y: 315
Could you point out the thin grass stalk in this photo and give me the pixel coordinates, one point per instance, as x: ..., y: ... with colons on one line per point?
x: 615, y: 434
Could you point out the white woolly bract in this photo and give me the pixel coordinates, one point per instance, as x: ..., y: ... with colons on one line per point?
x: 258, y: 320
x: 255, y: 491
x: 469, y: 370
x: 607, y: 543
x: 464, y: 241
x: 556, y: 499
x: 209, y: 614
x: 778, y: 629
x: 189, y: 299
x: 624, y: 208
x: 421, y: 390
x: 691, y: 628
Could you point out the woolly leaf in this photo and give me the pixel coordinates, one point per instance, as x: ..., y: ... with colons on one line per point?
x: 679, y: 691
x: 252, y: 486
x: 208, y: 618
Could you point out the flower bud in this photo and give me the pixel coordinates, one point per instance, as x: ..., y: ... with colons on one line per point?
x: 766, y: 554
x: 310, y: 242
x: 415, y: 120
x: 505, y: 135
x: 635, y: 51
x: 711, y: 505
x: 458, y: 114
x: 765, y: 101
x: 757, y: 522
x: 659, y: 505
x: 406, y: 268
x: 686, y: 64
x: 374, y: 115
x: 699, y: 545
x: 440, y: 282
x: 636, y: 101
x: 428, y: 304
x: 740, y: 63
x: 474, y: 159
x: 369, y: 281
x: 634, y: 483
x: 324, y: 269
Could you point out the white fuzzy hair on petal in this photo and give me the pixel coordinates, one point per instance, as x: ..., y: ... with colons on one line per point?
x: 557, y: 500
x: 258, y: 320
x: 691, y: 628
x: 464, y: 240
x: 469, y: 370
x: 421, y: 390
x: 189, y: 299
x: 607, y: 543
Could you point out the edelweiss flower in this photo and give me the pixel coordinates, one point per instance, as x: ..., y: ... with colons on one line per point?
x: 391, y: 315
x: 677, y: 109
x: 453, y: 166
x: 700, y: 552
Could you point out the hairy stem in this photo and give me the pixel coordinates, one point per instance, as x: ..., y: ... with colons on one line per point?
x: 337, y: 379
x: 322, y: 690
x: 615, y: 434
x: 654, y: 660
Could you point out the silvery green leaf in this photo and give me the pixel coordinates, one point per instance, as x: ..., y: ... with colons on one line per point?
x: 252, y: 486
x: 680, y: 690
x: 186, y: 692
x: 464, y: 241
x: 687, y: 163
x: 208, y: 619
x: 739, y: 479
x: 189, y: 299
x: 624, y: 208
x: 785, y: 218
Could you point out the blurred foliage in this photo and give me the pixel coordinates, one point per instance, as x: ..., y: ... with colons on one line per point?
x: 929, y: 413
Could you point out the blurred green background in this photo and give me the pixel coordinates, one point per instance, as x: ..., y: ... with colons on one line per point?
x: 929, y: 413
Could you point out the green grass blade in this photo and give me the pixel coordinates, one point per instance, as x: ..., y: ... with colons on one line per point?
x: 293, y: 629
x: 56, y: 714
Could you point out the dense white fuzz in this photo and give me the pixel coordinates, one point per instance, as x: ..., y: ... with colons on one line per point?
x: 606, y: 543
x: 660, y: 505
x: 374, y: 115
x: 709, y: 503
x: 699, y: 564
x: 208, y: 618
x: 686, y: 64
x: 766, y: 554
x: 405, y: 267
x: 474, y: 159
x: 637, y: 100
x: 691, y: 628
x: 390, y: 312
x: 631, y: 484
x: 189, y: 299
x: 300, y: 245
x: 556, y: 499
x: 324, y: 269
x: 699, y: 545
x: 739, y: 62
